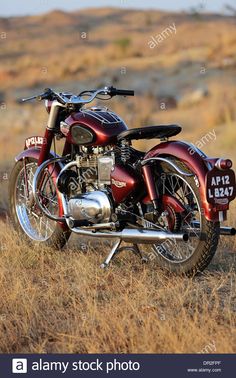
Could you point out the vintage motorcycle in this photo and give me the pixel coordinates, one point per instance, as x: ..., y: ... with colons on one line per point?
x: 170, y: 199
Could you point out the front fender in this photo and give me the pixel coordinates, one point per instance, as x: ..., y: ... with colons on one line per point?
x: 196, y: 161
x: 34, y: 152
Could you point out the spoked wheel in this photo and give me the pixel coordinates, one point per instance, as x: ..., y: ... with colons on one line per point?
x: 25, y: 215
x: 194, y: 255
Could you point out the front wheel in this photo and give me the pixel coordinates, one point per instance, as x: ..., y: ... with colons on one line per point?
x: 193, y: 256
x: 26, y: 217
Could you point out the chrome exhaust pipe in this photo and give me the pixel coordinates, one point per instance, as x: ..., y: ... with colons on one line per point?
x: 132, y: 235
x: 228, y: 231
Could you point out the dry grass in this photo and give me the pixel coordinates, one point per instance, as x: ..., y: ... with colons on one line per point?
x: 63, y: 302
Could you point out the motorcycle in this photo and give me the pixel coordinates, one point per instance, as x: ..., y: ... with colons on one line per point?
x: 171, y: 198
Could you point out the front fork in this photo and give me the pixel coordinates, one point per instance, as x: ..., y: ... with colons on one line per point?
x: 46, y: 147
x: 50, y: 132
x: 26, y: 179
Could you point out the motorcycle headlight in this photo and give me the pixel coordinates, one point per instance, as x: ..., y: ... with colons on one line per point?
x: 81, y: 135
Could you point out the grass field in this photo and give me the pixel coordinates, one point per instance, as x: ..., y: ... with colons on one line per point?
x: 55, y: 301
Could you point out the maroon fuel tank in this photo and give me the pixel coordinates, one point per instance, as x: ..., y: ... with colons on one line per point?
x: 93, y: 127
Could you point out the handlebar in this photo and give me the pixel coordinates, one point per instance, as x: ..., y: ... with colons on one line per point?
x: 70, y: 99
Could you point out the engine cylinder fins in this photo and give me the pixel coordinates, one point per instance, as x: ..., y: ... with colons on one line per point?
x: 87, y: 161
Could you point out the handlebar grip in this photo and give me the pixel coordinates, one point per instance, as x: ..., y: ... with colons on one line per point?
x: 122, y: 92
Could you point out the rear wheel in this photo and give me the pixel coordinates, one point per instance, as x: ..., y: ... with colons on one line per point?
x: 26, y: 217
x: 184, y: 257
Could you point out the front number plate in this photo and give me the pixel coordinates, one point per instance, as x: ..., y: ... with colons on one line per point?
x: 220, y: 186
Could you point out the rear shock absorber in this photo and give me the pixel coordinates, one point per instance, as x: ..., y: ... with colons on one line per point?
x: 125, y: 151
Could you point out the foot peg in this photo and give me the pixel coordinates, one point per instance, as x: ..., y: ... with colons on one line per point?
x: 229, y: 231
x: 115, y: 250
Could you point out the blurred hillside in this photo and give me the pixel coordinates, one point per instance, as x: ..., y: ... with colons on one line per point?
x: 64, y: 47
x: 188, y: 77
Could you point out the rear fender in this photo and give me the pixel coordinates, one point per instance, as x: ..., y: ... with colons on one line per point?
x: 199, y: 164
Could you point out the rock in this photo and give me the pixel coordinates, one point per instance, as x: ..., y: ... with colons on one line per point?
x: 193, y: 98
x: 3, y: 214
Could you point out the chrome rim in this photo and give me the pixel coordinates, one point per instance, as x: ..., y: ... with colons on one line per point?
x: 35, y: 224
x: 170, y: 250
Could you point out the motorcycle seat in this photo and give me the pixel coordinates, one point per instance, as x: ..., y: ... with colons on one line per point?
x: 150, y: 132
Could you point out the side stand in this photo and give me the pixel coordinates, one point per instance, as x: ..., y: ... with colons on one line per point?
x: 135, y: 249
x: 111, y: 255
x: 115, y: 250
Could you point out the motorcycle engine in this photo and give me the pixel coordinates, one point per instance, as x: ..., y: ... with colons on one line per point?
x: 86, y: 188
x: 93, y: 207
x: 96, y: 168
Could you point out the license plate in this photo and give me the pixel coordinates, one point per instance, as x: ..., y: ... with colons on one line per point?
x: 220, y: 186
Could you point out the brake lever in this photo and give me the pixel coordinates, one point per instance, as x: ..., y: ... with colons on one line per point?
x: 45, y: 95
x: 29, y: 99
x: 40, y: 97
